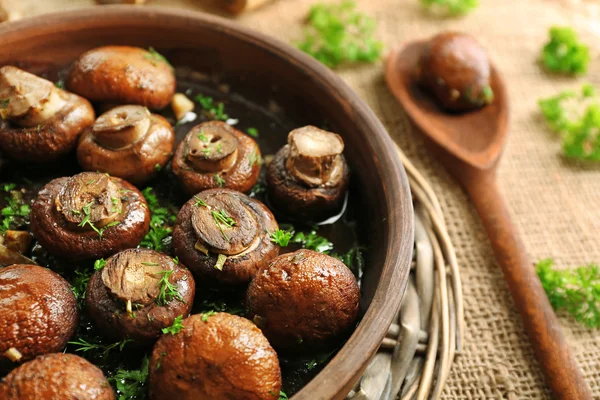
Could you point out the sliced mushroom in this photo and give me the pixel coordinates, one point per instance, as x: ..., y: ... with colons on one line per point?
x: 128, y: 142
x: 130, y: 296
x: 308, y: 178
x: 223, y: 236
x: 214, y: 154
x: 89, y: 216
x: 39, y: 122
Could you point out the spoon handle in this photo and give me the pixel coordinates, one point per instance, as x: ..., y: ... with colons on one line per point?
x: 562, y: 372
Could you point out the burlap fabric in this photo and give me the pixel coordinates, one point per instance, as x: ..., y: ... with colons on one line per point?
x: 555, y: 203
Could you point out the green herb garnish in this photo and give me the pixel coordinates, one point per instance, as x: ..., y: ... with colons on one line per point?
x: 203, y: 137
x: 199, y: 202
x: 160, y: 221
x: 16, y: 213
x: 99, y: 264
x: 157, y: 167
x: 60, y: 84
x: 207, y: 314
x: 451, y: 7
x: 254, y: 159
x: 175, y: 328
x: 281, y: 237
x: 104, y: 349
x: 220, y: 181
x: 576, y: 291
x: 167, y: 291
x: 212, y: 108
x: 565, y: 53
x: 4, y: 103
x: 337, y: 34
x: 313, y: 241
x: 131, y: 384
x: 221, y: 218
x: 156, y: 56
x: 252, y: 132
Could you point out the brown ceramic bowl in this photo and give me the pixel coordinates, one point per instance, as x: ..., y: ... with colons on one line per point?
x: 216, y: 45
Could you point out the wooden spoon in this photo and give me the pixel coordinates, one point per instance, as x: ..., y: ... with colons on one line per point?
x: 469, y: 145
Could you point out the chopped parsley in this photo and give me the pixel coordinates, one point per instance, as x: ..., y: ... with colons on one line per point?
x: 99, y: 264
x: 221, y: 218
x: 160, y: 221
x: 564, y: 52
x: 215, y: 110
x: 4, y: 103
x: 220, y: 181
x: 202, y: 137
x: 167, y: 291
x: 16, y: 213
x: 157, y: 167
x: 254, y: 159
x: 313, y: 241
x: 252, y: 132
x: 451, y: 7
x: 131, y: 384
x: 199, y: 202
x: 175, y: 328
x: 155, y: 56
x: 60, y: 84
x: 281, y: 237
x: 207, y: 314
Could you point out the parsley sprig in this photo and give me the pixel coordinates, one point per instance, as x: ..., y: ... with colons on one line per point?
x: 281, y: 237
x: 16, y: 213
x: 564, y: 52
x: 176, y: 327
x: 167, y: 291
x: 215, y: 110
x: 160, y: 223
x: 131, y: 384
x: 221, y: 219
x: 451, y: 8
x: 337, y: 34
x: 576, y: 291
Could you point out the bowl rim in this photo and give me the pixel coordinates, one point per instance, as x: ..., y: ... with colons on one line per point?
x: 338, y: 376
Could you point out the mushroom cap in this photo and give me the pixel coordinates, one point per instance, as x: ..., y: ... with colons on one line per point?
x: 39, y: 122
x: 213, y: 145
x: 456, y: 69
x: 135, y: 275
x: 38, y: 311
x: 303, y: 300
x: 123, y: 75
x: 196, y: 228
x: 216, y: 357
x: 135, y: 162
x: 64, y: 239
x: 121, y: 126
x: 56, y: 376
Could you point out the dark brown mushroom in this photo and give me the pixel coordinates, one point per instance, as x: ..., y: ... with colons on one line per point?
x: 56, y: 377
x: 455, y: 68
x: 123, y: 75
x: 303, y: 300
x: 214, y: 357
x: 39, y: 122
x: 38, y: 312
x: 127, y: 142
x: 88, y: 216
x: 137, y: 294
x: 308, y: 178
x: 214, y: 154
x: 223, y: 236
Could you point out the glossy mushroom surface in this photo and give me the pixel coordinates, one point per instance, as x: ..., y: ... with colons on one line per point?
x: 88, y: 216
x: 303, y: 300
x: 214, y: 154
x: 39, y: 123
x: 123, y: 75
x: 222, y: 236
x: 56, y: 377
x: 455, y: 68
x: 214, y: 357
x: 308, y: 178
x: 138, y: 293
x: 128, y: 142
x: 38, y: 313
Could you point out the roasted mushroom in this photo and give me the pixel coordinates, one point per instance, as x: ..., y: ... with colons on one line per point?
x: 39, y: 122
x: 214, y: 154
x: 123, y: 75
x: 138, y: 293
x: 308, y: 178
x: 56, y: 377
x: 303, y: 300
x: 38, y: 312
x: 223, y: 236
x: 127, y: 142
x: 455, y: 68
x: 88, y: 216
x: 214, y: 357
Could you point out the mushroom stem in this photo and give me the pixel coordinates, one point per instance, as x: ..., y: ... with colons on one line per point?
x: 212, y: 147
x: 122, y: 126
x: 315, y: 156
x: 13, y: 354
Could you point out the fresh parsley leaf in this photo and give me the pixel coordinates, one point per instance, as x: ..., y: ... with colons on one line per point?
x: 199, y: 202
x: 451, y: 8
x: 160, y: 223
x: 281, y: 237
x: 565, y: 53
x: 219, y: 180
x: 252, y: 132
x: 221, y: 219
x: 337, y: 34
x: 131, y: 384
x: 99, y: 264
x: 576, y: 291
x: 313, y: 241
x: 167, y: 291
x: 207, y: 314
x: 175, y: 328
x: 215, y: 110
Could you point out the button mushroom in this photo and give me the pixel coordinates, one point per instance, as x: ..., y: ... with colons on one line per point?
x: 123, y: 75
x: 223, y: 236
x: 455, y: 68
x: 303, y: 300
x: 127, y: 142
x: 88, y: 216
x: 219, y: 356
x: 56, y: 376
x: 308, y: 178
x: 138, y: 293
x: 38, y: 312
x: 39, y: 122
x: 214, y: 154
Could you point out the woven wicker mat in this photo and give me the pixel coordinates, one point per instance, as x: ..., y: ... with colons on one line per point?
x: 555, y: 203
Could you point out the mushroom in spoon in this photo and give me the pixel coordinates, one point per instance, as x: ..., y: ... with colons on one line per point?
x: 223, y: 236
x: 308, y: 178
x: 214, y: 154
x: 123, y: 75
x: 138, y: 293
x: 88, y: 216
x: 39, y: 122
x: 128, y: 142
